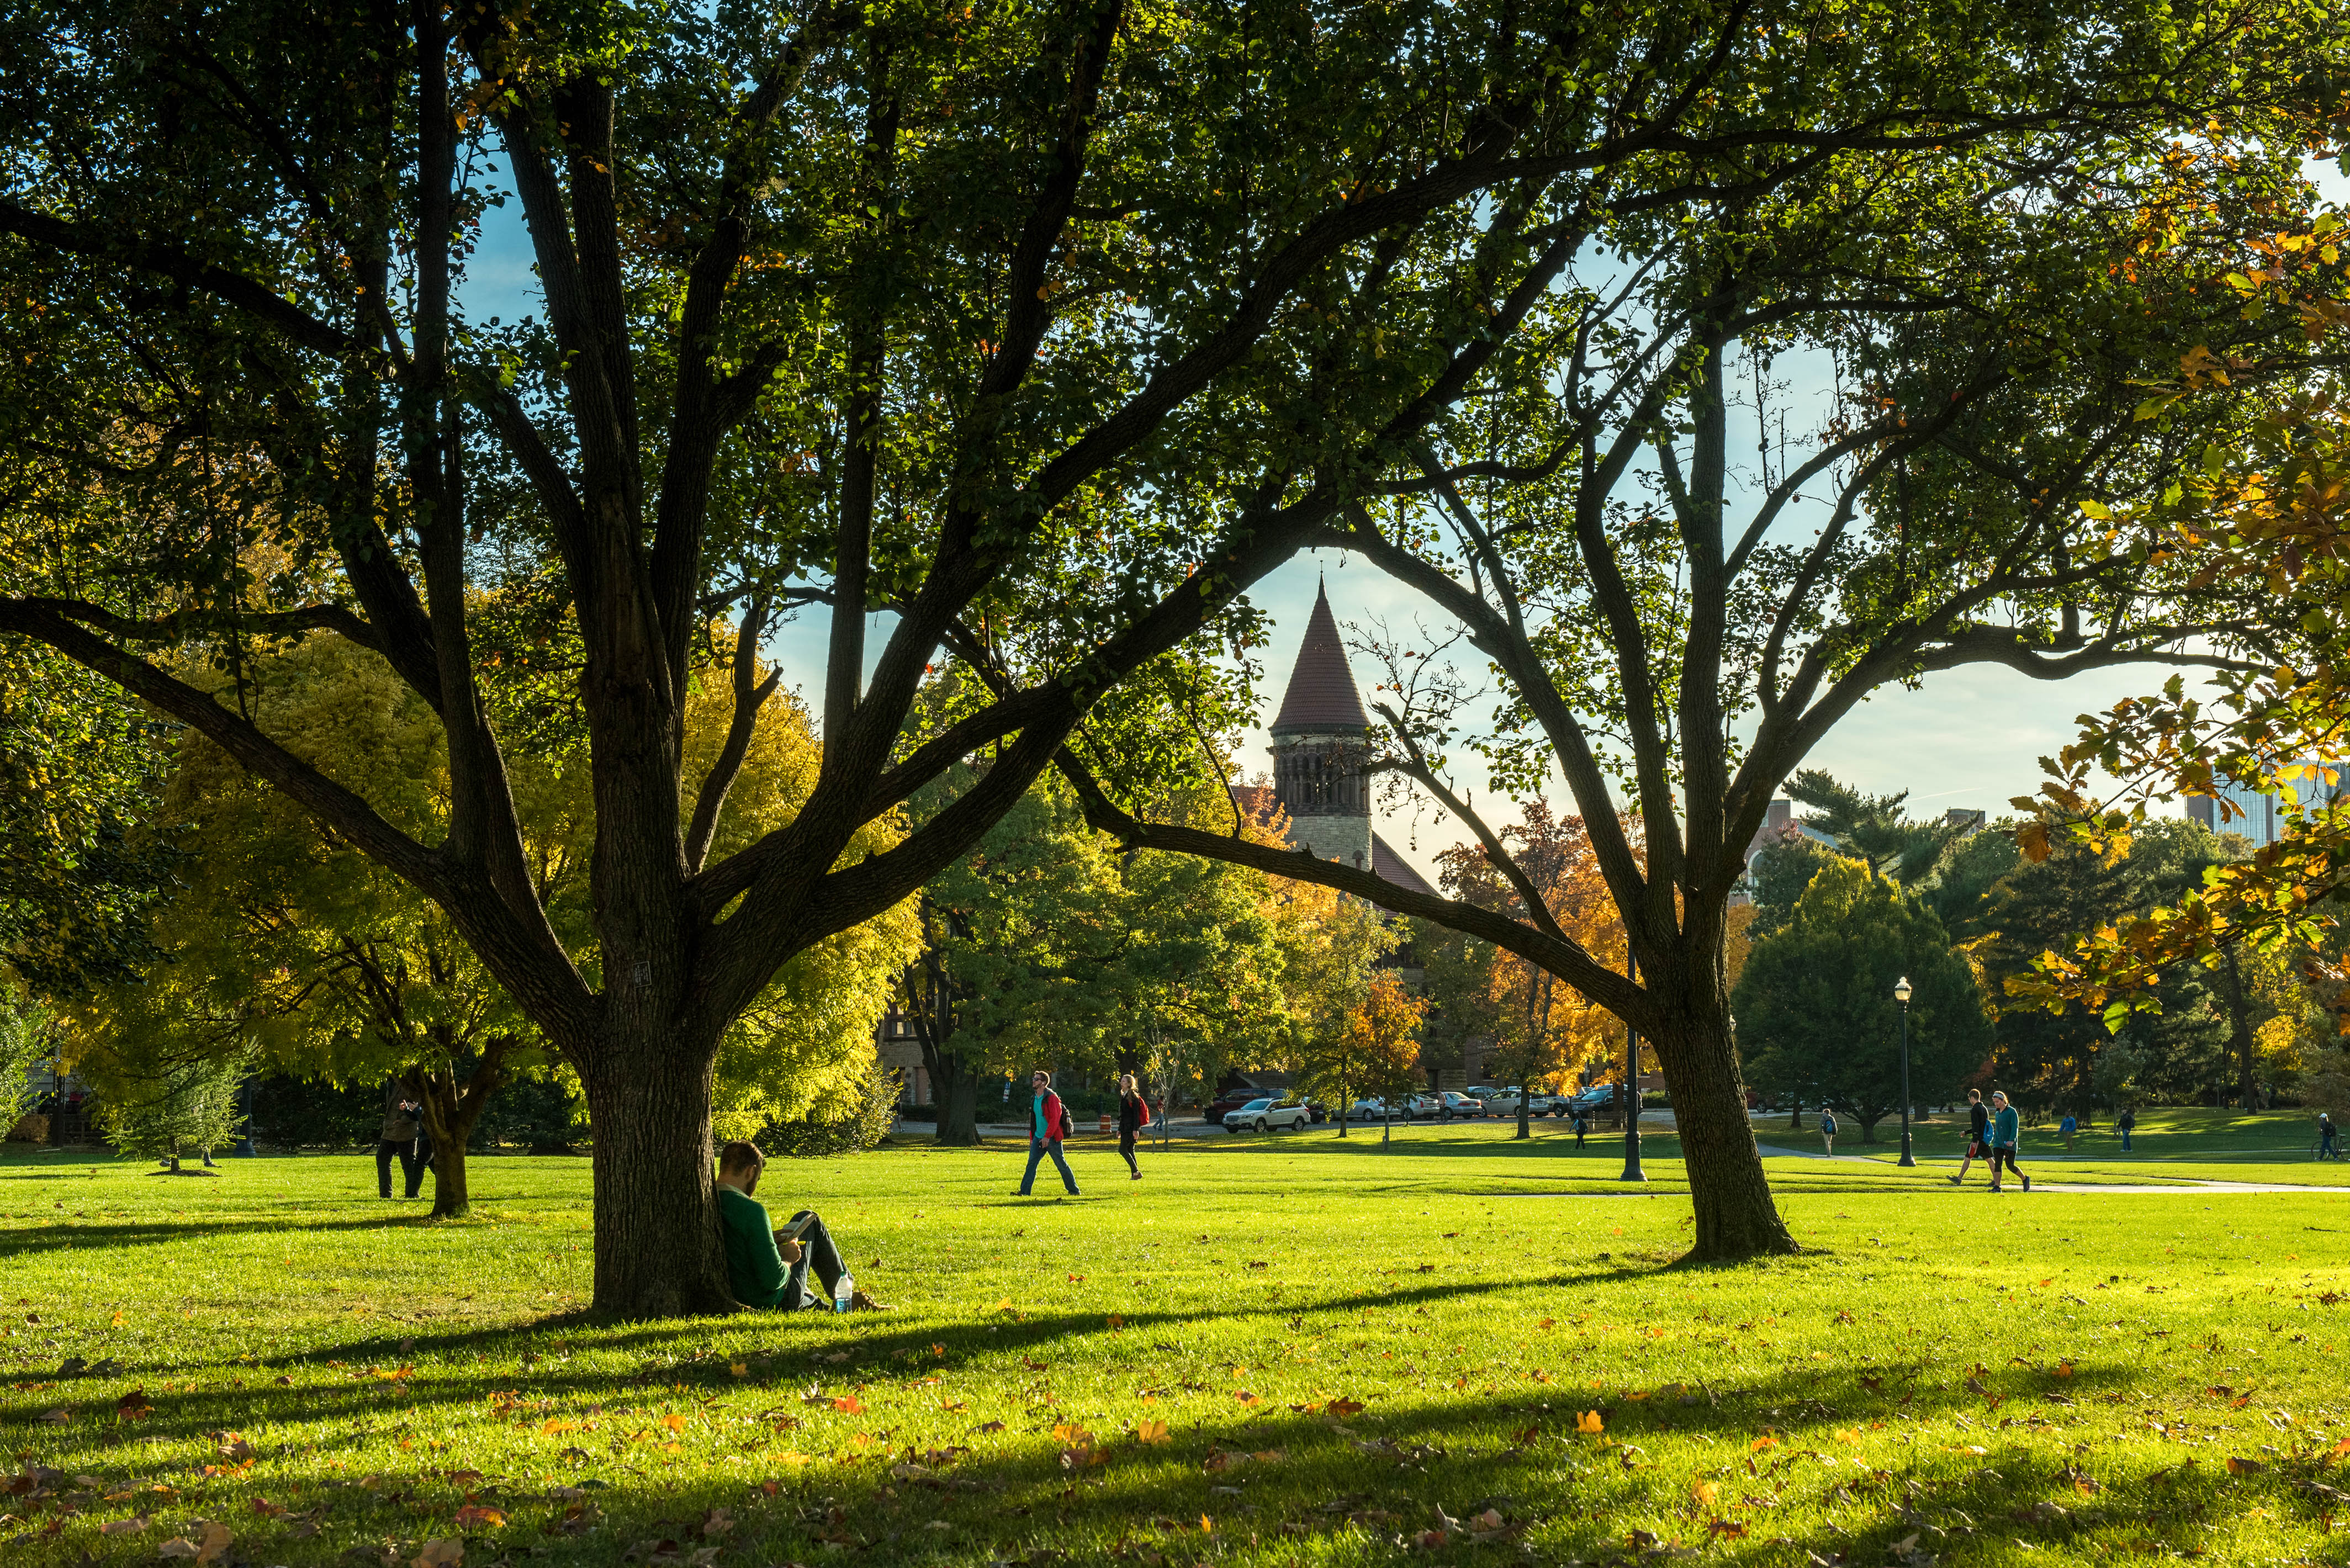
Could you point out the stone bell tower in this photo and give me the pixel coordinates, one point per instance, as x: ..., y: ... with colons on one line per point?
x: 1321, y: 739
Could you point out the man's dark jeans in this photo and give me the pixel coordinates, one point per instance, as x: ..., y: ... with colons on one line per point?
x: 411, y: 1166
x: 1037, y: 1149
x: 817, y: 1250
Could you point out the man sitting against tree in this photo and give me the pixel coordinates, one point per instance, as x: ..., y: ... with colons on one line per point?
x: 767, y: 1267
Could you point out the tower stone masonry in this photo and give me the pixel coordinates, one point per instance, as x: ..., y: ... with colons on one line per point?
x: 1321, y: 741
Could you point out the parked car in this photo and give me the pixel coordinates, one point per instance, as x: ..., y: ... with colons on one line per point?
x: 1503, y: 1103
x: 1225, y: 1104
x: 1370, y: 1110
x: 1593, y: 1100
x: 1318, y: 1110
x: 1458, y: 1105
x: 1542, y: 1103
x: 1423, y: 1108
x: 1266, y: 1113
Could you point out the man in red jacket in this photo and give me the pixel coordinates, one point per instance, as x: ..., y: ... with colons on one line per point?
x: 1048, y: 1124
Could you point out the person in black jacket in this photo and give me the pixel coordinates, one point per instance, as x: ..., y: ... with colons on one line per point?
x: 1978, y: 1136
x: 1133, y: 1112
x: 403, y: 1126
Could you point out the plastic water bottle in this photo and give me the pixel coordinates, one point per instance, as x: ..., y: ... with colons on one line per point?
x: 843, y: 1293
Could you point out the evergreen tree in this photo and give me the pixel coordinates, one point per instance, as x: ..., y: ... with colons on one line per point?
x: 1818, y: 1019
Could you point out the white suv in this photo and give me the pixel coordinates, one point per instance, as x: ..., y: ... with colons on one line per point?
x: 1266, y: 1116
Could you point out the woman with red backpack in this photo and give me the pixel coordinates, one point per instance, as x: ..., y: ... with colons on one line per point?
x: 1048, y: 1124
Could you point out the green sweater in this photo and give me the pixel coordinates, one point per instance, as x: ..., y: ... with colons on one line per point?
x: 2002, y: 1128
x: 753, y: 1267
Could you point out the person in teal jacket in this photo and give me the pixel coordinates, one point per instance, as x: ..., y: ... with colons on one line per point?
x: 763, y: 1267
x: 2004, y: 1132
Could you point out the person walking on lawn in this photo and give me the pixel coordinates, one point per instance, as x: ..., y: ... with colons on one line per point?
x: 1978, y: 1138
x: 2326, y: 1149
x: 2004, y: 1128
x: 2068, y: 1127
x: 2127, y: 1122
x: 1827, y: 1131
x: 1133, y: 1111
x: 1048, y: 1124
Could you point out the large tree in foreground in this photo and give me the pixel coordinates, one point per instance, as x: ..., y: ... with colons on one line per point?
x: 1048, y: 327
x: 1683, y: 576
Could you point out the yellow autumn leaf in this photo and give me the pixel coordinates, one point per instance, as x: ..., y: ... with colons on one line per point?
x: 1151, y: 1432
x: 1588, y: 1423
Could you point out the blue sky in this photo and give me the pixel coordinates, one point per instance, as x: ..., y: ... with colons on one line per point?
x: 1968, y: 738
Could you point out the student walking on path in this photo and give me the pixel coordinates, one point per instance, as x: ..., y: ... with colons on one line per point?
x: 1978, y: 1138
x: 1132, y: 1112
x: 1048, y: 1124
x: 2068, y: 1127
x: 2326, y: 1149
x: 2127, y: 1122
x: 1828, y: 1132
x: 2004, y: 1128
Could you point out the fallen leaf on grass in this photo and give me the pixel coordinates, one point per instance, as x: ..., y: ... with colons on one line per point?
x: 1588, y: 1424
x: 134, y: 1406
x: 472, y: 1516
x: 2237, y: 1466
x: 1342, y: 1409
x: 1727, y: 1527
x: 446, y: 1554
x: 130, y: 1526
x: 1245, y: 1397
x: 849, y: 1404
x: 1151, y: 1432
x: 56, y: 1418
x: 989, y: 1427
x: 178, y: 1546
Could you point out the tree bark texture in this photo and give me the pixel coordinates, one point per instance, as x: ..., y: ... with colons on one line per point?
x: 1736, y: 1217
x: 658, y: 1252
x: 957, y: 1088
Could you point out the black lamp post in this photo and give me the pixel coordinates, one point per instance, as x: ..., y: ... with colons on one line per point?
x: 1632, y: 1171
x: 1901, y: 995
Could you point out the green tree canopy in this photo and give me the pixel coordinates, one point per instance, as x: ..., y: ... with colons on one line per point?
x: 1685, y: 573
x: 1817, y: 1020
x: 289, y: 948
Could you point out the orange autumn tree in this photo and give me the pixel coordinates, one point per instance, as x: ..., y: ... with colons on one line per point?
x: 1543, y: 1031
x: 1377, y: 1050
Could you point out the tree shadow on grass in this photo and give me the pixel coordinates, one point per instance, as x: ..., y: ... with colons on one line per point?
x: 1252, y: 1484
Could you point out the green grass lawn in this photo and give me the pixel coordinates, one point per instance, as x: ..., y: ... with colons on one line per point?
x: 1271, y: 1351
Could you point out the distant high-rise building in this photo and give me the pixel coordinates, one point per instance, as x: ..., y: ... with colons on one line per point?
x: 1321, y: 741
x: 2260, y: 816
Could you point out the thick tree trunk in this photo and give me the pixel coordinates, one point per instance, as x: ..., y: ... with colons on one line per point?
x: 1868, y: 1125
x: 658, y: 1252
x: 957, y: 1096
x: 1736, y: 1219
x: 1795, y: 1118
x: 1526, y: 1120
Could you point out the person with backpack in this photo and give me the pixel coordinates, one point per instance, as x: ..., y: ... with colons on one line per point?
x: 1978, y: 1136
x: 1048, y: 1124
x: 2127, y: 1122
x: 1827, y: 1131
x: 1580, y: 1125
x: 2326, y: 1149
x: 1133, y: 1112
x: 2004, y: 1130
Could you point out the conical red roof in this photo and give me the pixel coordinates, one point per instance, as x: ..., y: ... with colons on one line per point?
x: 1321, y: 694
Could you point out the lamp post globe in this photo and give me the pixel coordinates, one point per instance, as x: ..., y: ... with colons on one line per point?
x: 1901, y: 995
